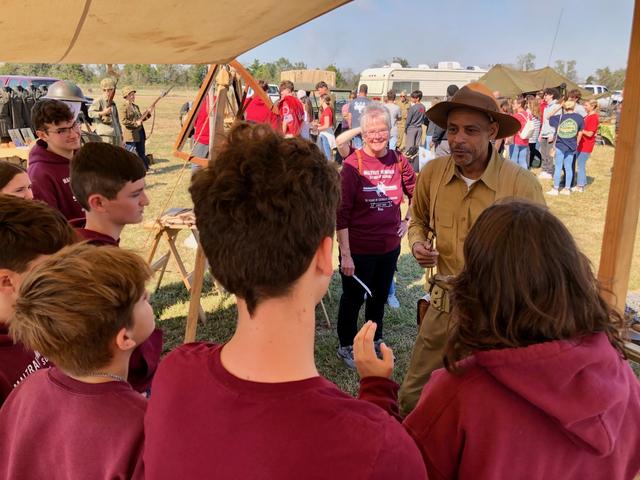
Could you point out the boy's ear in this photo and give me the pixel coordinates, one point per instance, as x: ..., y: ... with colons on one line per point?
x: 7, y: 281
x: 324, y: 255
x: 124, y: 341
x: 96, y: 202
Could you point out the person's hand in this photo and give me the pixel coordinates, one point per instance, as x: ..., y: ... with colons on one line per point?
x: 364, y: 354
x: 139, y: 123
x: 106, y: 111
x: 347, y: 267
x: 432, y: 144
x: 403, y: 228
x: 426, y: 256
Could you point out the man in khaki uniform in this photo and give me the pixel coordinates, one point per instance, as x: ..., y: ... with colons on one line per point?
x: 451, y: 193
x: 104, y: 112
x: 404, y: 104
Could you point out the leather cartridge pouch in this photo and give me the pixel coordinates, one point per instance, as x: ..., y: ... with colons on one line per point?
x: 440, y: 287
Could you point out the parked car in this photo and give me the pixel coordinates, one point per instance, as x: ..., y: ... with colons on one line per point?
x: 602, y: 94
x: 274, y: 93
x: 25, y: 81
x: 616, y: 97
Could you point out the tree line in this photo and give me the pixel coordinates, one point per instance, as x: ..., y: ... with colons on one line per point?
x: 192, y: 75
x: 612, y: 79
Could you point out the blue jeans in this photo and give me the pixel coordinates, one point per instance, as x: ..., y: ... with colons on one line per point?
x: 512, y: 147
x: 356, y: 142
x: 563, y: 159
x: 393, y: 142
x: 582, y: 168
x: 520, y: 154
x: 325, y: 147
x: 139, y: 149
x: 427, y: 141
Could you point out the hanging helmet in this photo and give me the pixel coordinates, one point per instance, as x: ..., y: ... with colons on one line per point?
x: 65, y: 90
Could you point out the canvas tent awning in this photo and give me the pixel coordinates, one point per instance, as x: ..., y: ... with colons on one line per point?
x: 162, y: 31
x: 510, y: 82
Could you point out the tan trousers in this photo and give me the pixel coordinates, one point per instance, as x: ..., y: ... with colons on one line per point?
x: 425, y: 358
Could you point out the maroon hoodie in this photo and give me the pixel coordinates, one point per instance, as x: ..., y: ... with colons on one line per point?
x: 16, y: 363
x: 562, y: 409
x: 49, y: 174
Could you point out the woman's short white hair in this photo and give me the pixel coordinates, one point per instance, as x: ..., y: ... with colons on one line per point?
x: 374, y: 110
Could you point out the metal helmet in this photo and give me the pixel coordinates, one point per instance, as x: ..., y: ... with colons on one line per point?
x: 65, y: 90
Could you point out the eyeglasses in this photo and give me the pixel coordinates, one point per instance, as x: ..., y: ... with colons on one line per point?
x: 376, y: 133
x: 66, y: 130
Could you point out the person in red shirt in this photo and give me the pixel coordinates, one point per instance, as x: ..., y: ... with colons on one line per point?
x: 587, y: 142
x: 30, y: 232
x: 535, y: 383
x: 109, y: 183
x: 256, y: 406
x: 521, y: 145
x: 58, y: 138
x: 257, y: 111
x: 291, y: 110
x: 326, y: 137
x: 86, y: 309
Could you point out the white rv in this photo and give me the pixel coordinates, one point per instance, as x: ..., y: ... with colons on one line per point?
x: 433, y: 82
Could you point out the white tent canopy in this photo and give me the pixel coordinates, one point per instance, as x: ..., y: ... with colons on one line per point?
x: 157, y: 31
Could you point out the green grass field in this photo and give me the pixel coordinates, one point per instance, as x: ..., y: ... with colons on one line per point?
x: 167, y: 187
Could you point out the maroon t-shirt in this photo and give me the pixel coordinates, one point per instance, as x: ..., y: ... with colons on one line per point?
x: 372, y: 192
x: 203, y: 422
x: 91, y: 236
x: 55, y: 427
x: 16, y: 363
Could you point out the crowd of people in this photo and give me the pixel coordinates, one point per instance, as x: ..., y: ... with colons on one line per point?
x: 534, y: 381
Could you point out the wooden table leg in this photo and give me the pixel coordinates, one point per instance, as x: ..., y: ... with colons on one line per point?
x: 196, y: 291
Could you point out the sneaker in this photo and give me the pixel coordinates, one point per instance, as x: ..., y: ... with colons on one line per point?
x: 553, y: 191
x: 346, y: 354
x: 544, y: 175
x: 578, y: 189
x: 565, y: 191
x: 393, y: 302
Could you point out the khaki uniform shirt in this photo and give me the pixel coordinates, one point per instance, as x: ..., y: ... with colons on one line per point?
x: 131, y: 131
x: 457, y: 207
x: 106, y: 125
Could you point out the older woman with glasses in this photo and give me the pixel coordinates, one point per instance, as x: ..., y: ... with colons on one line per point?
x: 369, y: 224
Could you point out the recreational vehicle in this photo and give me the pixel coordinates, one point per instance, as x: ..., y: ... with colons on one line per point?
x: 433, y: 82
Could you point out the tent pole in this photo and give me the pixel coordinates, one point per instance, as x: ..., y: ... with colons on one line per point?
x: 623, y: 205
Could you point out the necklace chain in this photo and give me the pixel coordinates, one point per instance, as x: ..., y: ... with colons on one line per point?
x: 113, y: 376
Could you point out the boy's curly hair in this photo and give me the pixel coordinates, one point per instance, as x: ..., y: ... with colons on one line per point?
x: 262, y: 208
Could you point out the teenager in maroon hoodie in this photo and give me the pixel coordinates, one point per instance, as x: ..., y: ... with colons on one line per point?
x: 256, y: 406
x: 29, y: 231
x: 109, y: 183
x: 86, y: 309
x: 536, y: 384
x: 58, y: 137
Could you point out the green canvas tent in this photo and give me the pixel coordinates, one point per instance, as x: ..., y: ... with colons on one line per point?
x: 510, y: 82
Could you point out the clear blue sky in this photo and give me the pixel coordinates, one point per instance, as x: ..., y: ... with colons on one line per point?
x: 595, y: 33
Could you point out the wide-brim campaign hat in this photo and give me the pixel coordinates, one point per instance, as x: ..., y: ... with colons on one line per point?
x: 475, y: 96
